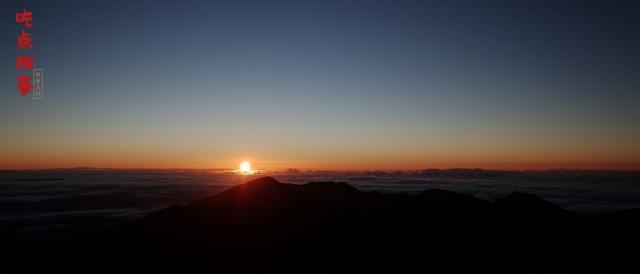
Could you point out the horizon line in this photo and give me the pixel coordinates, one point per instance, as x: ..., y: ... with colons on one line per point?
x: 345, y: 170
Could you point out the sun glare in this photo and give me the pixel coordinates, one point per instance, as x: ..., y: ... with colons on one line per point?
x: 245, y: 168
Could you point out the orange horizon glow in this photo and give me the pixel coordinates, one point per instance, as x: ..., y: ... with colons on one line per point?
x: 313, y: 156
x: 344, y: 166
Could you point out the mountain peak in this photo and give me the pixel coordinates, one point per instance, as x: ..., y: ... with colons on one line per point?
x: 518, y: 197
x: 526, y: 203
x: 448, y: 199
x: 339, y: 186
x: 266, y: 180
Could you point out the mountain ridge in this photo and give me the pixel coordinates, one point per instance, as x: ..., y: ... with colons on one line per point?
x: 267, y: 226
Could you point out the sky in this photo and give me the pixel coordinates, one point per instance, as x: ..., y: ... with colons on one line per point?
x: 325, y: 84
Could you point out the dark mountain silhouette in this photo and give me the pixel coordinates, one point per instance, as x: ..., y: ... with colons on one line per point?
x: 264, y: 226
x: 447, y: 200
x: 520, y: 204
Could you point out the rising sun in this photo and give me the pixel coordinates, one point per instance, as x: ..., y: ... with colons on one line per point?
x: 245, y: 168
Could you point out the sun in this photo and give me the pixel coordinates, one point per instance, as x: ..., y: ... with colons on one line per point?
x: 245, y: 168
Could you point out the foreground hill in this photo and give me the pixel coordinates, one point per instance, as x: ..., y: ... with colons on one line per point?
x: 265, y: 226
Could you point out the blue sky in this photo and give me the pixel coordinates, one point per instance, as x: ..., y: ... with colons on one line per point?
x: 326, y: 84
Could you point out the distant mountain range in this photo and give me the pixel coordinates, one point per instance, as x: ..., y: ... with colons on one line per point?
x: 264, y: 226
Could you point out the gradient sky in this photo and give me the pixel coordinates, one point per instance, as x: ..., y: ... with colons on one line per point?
x: 322, y: 84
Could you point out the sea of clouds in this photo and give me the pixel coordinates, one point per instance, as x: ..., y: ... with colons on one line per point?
x: 35, y: 200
